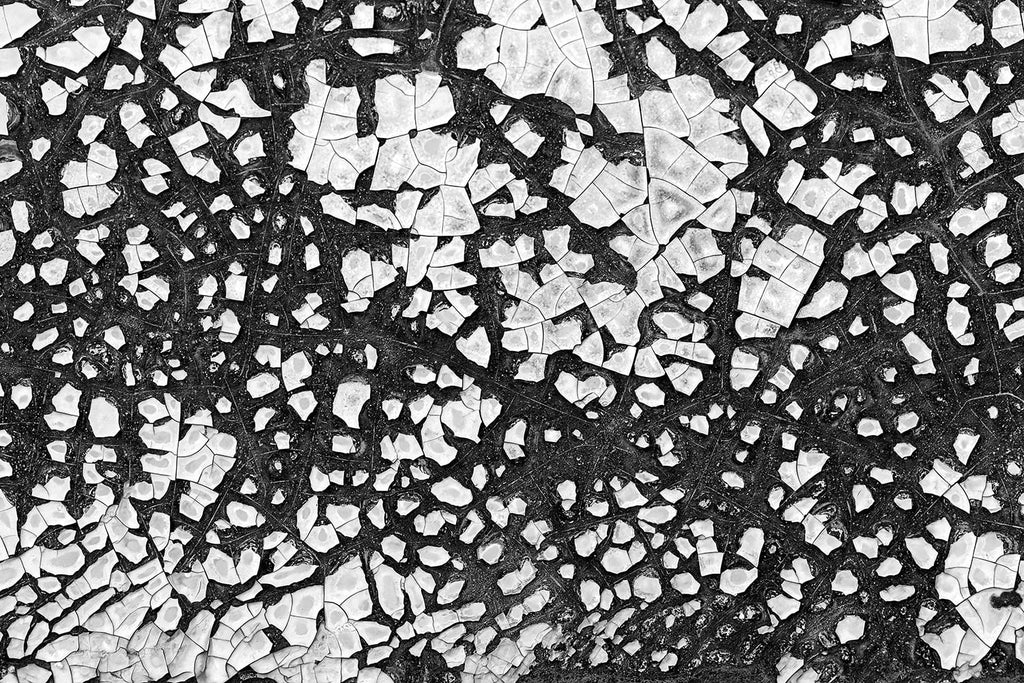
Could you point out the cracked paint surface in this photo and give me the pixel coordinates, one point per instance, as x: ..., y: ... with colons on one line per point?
x: 499, y: 340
